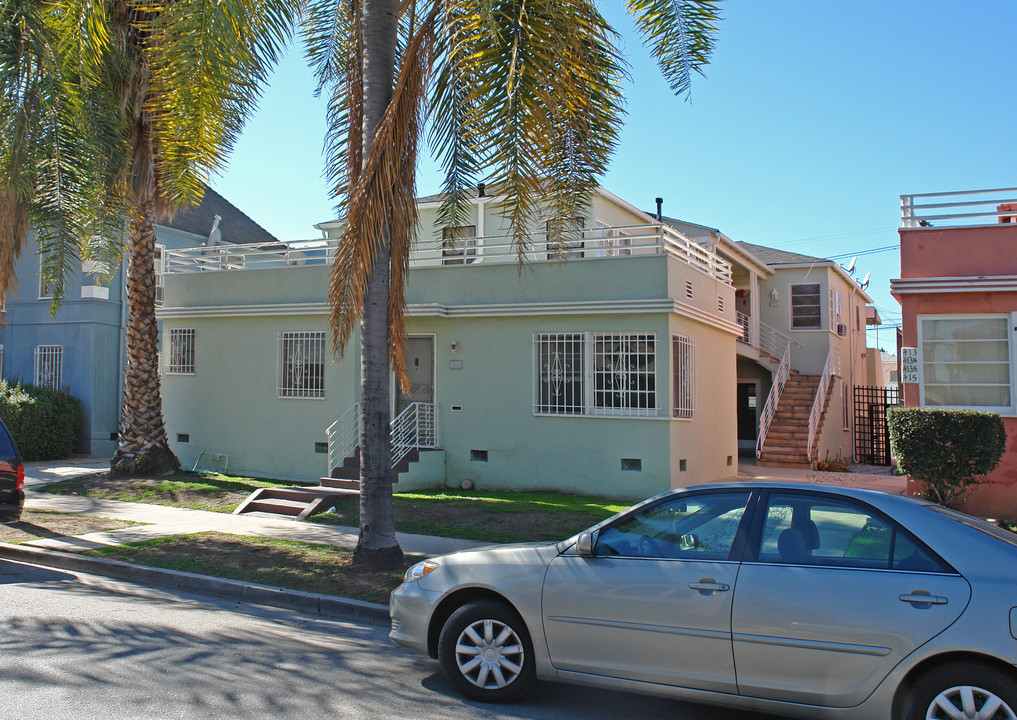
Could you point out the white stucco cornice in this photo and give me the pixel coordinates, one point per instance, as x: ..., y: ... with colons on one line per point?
x: 923, y: 286
x: 423, y: 310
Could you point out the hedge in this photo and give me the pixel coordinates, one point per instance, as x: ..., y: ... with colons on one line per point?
x: 947, y: 450
x: 44, y: 422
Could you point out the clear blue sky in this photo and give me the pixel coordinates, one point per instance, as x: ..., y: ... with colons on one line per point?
x: 814, y: 117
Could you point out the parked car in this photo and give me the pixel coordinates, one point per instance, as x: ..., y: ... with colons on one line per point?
x: 12, y: 478
x: 817, y: 602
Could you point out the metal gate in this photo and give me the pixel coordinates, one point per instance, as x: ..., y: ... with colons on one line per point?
x: 872, y: 434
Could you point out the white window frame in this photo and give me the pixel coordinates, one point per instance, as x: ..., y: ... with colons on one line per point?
x: 464, y: 250
x: 300, y: 384
x: 574, y: 248
x: 44, y: 374
x: 181, y: 351
x: 1011, y: 338
x: 584, y: 390
x: 45, y: 290
x: 610, y: 241
x: 160, y: 272
x: 791, y: 307
x: 683, y: 377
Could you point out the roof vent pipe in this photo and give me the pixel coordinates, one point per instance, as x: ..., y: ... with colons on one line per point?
x: 480, y: 189
x: 660, y: 203
x: 215, y: 236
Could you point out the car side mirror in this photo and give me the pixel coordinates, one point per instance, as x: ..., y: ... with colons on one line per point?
x: 585, y: 544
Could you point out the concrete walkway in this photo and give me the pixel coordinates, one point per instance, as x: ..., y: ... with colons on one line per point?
x: 164, y: 521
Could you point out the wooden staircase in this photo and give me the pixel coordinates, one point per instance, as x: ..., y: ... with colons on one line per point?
x: 788, y: 438
x: 302, y: 502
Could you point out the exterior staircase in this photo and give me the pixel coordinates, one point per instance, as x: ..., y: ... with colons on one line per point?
x: 413, y: 429
x: 787, y: 441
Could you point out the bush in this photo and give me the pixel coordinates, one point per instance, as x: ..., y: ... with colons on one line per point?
x: 44, y: 422
x: 947, y: 450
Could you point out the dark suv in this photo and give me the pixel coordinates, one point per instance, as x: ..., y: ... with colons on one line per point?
x: 12, y: 478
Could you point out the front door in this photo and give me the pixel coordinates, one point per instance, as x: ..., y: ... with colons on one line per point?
x: 419, y: 370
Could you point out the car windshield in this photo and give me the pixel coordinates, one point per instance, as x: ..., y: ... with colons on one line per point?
x: 978, y: 524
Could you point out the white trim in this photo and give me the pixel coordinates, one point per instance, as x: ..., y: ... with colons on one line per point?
x: 94, y: 292
x: 1011, y: 319
x: 593, y: 307
x: 986, y: 283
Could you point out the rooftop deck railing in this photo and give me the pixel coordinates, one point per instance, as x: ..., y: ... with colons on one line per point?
x: 958, y: 209
x: 616, y: 242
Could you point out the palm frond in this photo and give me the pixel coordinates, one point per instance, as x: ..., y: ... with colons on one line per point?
x: 680, y: 34
x: 382, y: 206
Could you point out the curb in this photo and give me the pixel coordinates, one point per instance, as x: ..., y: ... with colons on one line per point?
x: 330, y: 606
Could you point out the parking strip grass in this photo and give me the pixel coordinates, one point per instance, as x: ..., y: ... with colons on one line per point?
x: 280, y: 563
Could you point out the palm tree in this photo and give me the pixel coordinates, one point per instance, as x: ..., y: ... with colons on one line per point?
x: 114, y: 114
x: 525, y: 92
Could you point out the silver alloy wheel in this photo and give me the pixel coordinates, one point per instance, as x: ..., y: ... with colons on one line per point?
x: 489, y: 654
x: 967, y: 702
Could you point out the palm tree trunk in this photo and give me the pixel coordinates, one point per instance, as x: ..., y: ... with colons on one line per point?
x: 377, y: 547
x: 143, y: 447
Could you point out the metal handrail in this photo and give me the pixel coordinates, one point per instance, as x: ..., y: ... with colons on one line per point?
x: 616, y: 242
x: 773, y: 399
x: 819, y: 403
x: 415, y: 427
x: 917, y: 214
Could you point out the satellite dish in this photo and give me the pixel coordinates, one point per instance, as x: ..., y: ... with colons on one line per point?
x: 865, y: 282
x: 851, y: 265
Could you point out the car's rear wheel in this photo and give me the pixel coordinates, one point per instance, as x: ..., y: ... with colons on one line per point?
x: 486, y: 653
x: 963, y: 690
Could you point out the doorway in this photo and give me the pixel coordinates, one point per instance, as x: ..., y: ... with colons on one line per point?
x: 748, y: 413
x: 419, y: 371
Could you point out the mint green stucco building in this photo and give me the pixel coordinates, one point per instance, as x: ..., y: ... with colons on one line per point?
x: 611, y: 372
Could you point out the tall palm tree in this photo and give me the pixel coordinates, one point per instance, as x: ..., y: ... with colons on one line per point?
x: 116, y: 112
x: 525, y: 93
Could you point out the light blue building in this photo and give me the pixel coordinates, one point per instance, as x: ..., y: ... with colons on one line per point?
x: 81, y: 348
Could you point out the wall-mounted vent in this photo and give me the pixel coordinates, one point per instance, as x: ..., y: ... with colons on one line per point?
x: 632, y: 465
x: 720, y: 304
x: 321, y: 447
x: 183, y: 437
x: 688, y: 289
x: 478, y: 455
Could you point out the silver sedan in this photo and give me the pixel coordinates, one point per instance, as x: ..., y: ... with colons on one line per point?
x: 802, y: 600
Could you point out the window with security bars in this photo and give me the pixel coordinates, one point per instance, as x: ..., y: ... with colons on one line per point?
x: 48, y: 366
x: 181, y: 349
x: 595, y: 374
x: 463, y: 250
x: 302, y: 364
x: 624, y: 374
x: 559, y: 374
x: 683, y: 352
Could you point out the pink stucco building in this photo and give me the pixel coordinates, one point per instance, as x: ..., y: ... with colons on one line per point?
x: 958, y: 294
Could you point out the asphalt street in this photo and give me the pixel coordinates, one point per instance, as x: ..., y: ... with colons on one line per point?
x: 76, y: 646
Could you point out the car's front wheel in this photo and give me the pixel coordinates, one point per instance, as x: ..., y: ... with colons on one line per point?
x: 486, y: 653
x: 963, y: 690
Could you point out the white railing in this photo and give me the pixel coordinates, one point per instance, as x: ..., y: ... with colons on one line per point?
x: 745, y: 321
x: 963, y: 207
x: 773, y: 342
x: 624, y: 241
x: 415, y: 427
x: 773, y: 399
x: 343, y: 437
x: 819, y: 404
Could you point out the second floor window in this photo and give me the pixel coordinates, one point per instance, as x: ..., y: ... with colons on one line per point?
x: 806, y: 306
x: 463, y: 250
x: 302, y: 364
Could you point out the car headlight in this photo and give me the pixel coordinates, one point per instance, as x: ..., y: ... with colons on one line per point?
x: 419, y: 570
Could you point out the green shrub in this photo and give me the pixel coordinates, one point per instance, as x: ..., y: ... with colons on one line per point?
x: 44, y: 422
x: 947, y: 450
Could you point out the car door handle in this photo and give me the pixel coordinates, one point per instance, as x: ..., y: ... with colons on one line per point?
x: 709, y: 585
x: 922, y: 597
